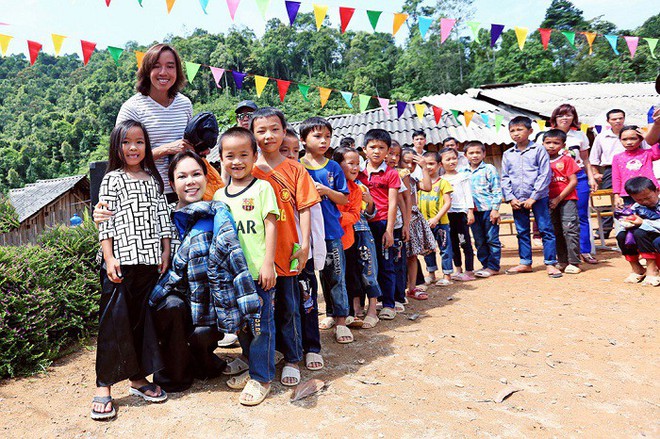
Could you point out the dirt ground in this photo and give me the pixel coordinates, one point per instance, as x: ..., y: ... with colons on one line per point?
x: 582, y: 350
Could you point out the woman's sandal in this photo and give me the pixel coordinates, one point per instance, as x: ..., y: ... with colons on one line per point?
x: 343, y: 335
x: 254, y: 389
x: 634, y: 278
x: 142, y: 393
x: 417, y: 294
x: 238, y: 382
x: 102, y: 416
x: 370, y: 322
x: 327, y: 323
x: 312, y: 358
x: 290, y: 372
x: 235, y: 367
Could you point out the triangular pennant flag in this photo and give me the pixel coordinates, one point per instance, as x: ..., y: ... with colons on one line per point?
x: 521, y: 36
x: 570, y: 36
x: 401, y: 108
x: 437, y: 114
x: 364, y: 102
x: 652, y: 43
x: 169, y: 3
x: 446, y: 25
x: 484, y: 117
x: 468, y: 117
x: 456, y: 113
x: 347, y: 95
x: 238, y: 79
x: 495, y: 32
x: 262, y: 5
x: 87, y: 50
x: 292, y: 10
x: 498, y: 122
x: 474, y: 27
x: 541, y: 124
x: 324, y: 93
x: 304, y: 89
x: 345, y: 15
x: 424, y: 25
x: 320, y: 12
x: 584, y: 127
x: 399, y: 19
x: 4, y: 43
x: 612, y: 39
x: 545, y: 37
x: 217, y: 74
x: 282, y: 88
x: 232, y: 5
x: 632, y: 43
x: 384, y: 104
x: 34, y: 49
x: 140, y: 2
x: 139, y: 56
x: 260, y: 83
x: 107, y: 3
x: 204, y: 4
x: 599, y: 128
x: 115, y: 53
x: 590, y: 36
x: 419, y: 109
x: 191, y: 70
x: 373, y: 18
x: 57, y: 43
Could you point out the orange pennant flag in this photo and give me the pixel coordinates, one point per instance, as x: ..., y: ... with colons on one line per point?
x: 170, y: 3
x: 325, y: 94
x: 399, y: 19
x: 139, y: 56
x: 521, y: 35
x: 468, y: 117
x: 591, y: 36
x: 260, y: 82
x: 4, y: 43
x: 57, y: 43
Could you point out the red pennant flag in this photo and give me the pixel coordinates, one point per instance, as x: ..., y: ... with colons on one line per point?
x: 34, y: 49
x: 345, y: 15
x: 437, y: 113
x: 107, y: 3
x: 545, y: 37
x: 283, y: 87
x: 87, y: 50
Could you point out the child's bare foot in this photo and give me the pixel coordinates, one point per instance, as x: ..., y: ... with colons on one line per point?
x: 519, y: 269
x: 553, y: 271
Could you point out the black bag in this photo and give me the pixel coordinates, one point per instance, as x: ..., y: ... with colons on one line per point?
x: 202, y: 131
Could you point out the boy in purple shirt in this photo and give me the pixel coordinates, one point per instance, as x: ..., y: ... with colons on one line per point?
x: 526, y: 180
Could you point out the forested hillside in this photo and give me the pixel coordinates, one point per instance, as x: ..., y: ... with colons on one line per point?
x: 55, y: 116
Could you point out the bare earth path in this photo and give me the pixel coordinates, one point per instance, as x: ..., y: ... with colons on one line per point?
x: 582, y: 349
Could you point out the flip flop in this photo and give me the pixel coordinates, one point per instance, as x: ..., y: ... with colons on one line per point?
x: 417, y: 294
x: 256, y: 391
x: 370, y: 322
x: 513, y: 271
x: 101, y: 416
x: 238, y: 382
x: 342, y: 331
x: 482, y: 273
x: 327, y: 323
x: 443, y: 283
x: 142, y: 393
x: 235, y: 367
x: 313, y: 357
x: 290, y: 372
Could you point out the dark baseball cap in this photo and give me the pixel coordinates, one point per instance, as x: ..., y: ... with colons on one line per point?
x: 246, y: 104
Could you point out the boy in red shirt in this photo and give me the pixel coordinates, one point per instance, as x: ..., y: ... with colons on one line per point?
x: 563, y: 202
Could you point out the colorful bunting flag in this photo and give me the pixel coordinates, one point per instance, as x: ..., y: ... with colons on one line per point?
x: 456, y: 113
x: 521, y: 36
x: 599, y: 128
x: 419, y: 109
x: 260, y: 83
x: 347, y: 95
x: 498, y: 122
x: 446, y: 25
x: 4, y: 43
x: 238, y: 79
x: 324, y: 93
x: 34, y: 49
x: 474, y: 27
x: 304, y: 90
x: 282, y: 88
x: 170, y: 3
x: 545, y: 37
x: 262, y: 5
x: 584, y: 127
x: 87, y: 50
x: 424, y: 25
x: 401, y: 108
x: 495, y: 32
x: 140, y: 2
x: 437, y: 114
x: 139, y: 56
x: 590, y: 36
x: 399, y: 19
x: 652, y: 43
x: 57, y: 42
x: 541, y: 124
x: 570, y: 36
x: 345, y: 15
x: 217, y: 75
x: 385, y: 104
x: 107, y: 3
x: 202, y: 3
x: 320, y: 12
x: 373, y: 18
x: 484, y: 117
x: 468, y: 117
x: 612, y: 39
x: 292, y: 10
x: 632, y: 43
x: 191, y: 70
x: 115, y: 53
x: 364, y: 102
x: 232, y: 5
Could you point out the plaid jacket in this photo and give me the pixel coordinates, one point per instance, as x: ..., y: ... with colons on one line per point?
x: 210, y: 271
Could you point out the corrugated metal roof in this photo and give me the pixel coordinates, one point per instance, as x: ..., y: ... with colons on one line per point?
x: 592, y: 100
x: 30, y: 199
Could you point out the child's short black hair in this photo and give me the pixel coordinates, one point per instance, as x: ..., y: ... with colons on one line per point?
x: 347, y: 142
x: 521, y: 120
x: 378, y: 134
x: 444, y: 151
x: 555, y: 134
x: 637, y: 185
x: 340, y: 153
x: 311, y: 124
x: 419, y: 133
x: 631, y: 128
x: 475, y: 144
x: 264, y: 112
x: 432, y: 154
x: 291, y: 132
x: 450, y: 139
x: 614, y: 111
x: 241, y: 133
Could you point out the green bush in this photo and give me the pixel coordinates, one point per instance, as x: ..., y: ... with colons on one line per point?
x: 48, y: 297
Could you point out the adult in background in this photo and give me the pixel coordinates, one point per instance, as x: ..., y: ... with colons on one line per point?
x: 244, y: 111
x: 565, y: 118
x: 160, y: 107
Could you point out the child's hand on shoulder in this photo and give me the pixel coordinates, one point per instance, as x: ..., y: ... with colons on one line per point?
x: 528, y: 203
x: 267, y: 276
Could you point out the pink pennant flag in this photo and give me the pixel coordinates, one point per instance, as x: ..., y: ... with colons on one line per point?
x: 385, y: 103
x: 446, y: 25
x: 632, y: 45
x: 232, y: 5
x: 217, y: 74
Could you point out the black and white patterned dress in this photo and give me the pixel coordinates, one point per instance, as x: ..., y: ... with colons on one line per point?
x: 421, y: 240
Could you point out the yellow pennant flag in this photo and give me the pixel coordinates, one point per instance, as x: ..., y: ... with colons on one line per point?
x: 468, y: 117
x: 521, y: 35
x: 541, y: 124
x: 4, y: 43
x: 419, y: 109
x: 260, y: 82
x: 584, y: 127
x: 170, y: 3
x: 319, y: 12
x: 399, y: 19
x: 57, y: 43
x: 591, y: 36
x: 139, y: 56
x: 325, y: 94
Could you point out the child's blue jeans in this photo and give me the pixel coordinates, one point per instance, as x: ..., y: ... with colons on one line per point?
x: 386, y: 271
x: 441, y: 233
x: 361, y: 268
x: 260, y: 350
x: 400, y: 266
x: 287, y: 318
x: 487, y: 240
x: 541, y: 211
x: 309, y: 309
x: 333, y: 279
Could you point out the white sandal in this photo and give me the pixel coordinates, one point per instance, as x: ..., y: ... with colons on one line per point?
x: 238, y: 382
x: 313, y: 357
x: 634, y: 278
x: 290, y: 372
x: 343, y: 332
x: 235, y: 367
x: 256, y: 391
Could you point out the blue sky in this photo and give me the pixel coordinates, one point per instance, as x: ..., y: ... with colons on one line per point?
x: 125, y: 20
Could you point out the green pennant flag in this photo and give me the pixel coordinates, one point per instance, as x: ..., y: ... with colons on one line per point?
x: 474, y: 26
x: 140, y: 2
x: 456, y: 113
x: 570, y: 36
x: 263, y: 7
x: 304, y: 89
x: 191, y: 70
x: 652, y: 43
x: 364, y: 102
x: 498, y: 121
x: 373, y: 18
x: 115, y: 52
